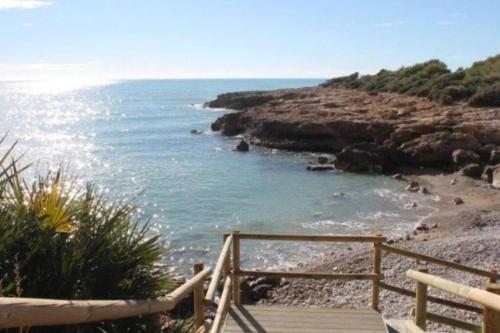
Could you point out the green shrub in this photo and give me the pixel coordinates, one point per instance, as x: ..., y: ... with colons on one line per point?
x: 433, y: 80
x: 60, y: 242
x: 487, y: 97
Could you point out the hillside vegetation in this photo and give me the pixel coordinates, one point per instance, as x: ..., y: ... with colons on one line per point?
x: 478, y: 85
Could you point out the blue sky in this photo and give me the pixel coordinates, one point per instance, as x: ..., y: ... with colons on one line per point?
x: 239, y: 38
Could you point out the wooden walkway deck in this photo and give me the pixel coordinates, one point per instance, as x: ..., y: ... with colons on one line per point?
x: 280, y: 319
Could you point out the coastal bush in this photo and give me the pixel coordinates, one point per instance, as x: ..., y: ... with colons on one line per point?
x: 58, y: 241
x: 433, y: 80
x: 489, y: 96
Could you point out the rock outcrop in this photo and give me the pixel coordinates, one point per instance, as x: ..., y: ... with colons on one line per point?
x: 367, y: 132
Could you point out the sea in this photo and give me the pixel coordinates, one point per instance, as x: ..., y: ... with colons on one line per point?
x: 132, y: 138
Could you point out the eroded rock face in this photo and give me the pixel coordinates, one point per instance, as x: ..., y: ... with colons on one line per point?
x: 367, y: 132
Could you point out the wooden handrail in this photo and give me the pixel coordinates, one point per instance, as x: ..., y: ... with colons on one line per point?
x: 454, y: 265
x: 480, y: 296
x: 311, y: 238
x: 304, y: 275
x: 433, y: 299
x: 223, y: 307
x: 20, y: 312
x: 218, y: 269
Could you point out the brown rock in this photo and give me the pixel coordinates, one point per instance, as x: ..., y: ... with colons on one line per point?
x: 496, y: 178
x: 487, y: 174
x: 495, y: 156
x: 457, y: 201
x: 463, y: 157
x: 472, y: 170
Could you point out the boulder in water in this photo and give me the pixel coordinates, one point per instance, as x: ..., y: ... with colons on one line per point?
x: 243, y: 146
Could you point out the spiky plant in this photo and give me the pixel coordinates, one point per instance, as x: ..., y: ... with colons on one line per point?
x: 57, y: 241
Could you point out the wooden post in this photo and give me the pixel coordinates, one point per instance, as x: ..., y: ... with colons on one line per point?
x: 377, y: 263
x: 491, y: 318
x: 236, y: 268
x: 226, y: 268
x: 421, y: 308
x: 493, y: 279
x: 199, y: 303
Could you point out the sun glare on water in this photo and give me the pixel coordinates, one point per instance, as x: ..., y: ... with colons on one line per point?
x: 57, y: 86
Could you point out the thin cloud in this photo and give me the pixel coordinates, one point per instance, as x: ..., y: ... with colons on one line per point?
x: 24, y: 4
x: 28, y: 24
x: 446, y: 22
x: 391, y: 24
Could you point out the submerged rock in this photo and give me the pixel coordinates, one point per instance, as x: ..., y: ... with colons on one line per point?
x: 243, y: 146
x: 196, y: 132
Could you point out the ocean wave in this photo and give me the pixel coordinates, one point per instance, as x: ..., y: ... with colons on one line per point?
x: 203, y: 107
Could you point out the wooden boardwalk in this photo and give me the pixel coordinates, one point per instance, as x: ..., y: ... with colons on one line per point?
x: 280, y: 319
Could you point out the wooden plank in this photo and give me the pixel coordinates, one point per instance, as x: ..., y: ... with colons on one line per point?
x: 312, y: 238
x: 304, y: 275
x: 274, y: 308
x: 409, y: 254
x: 277, y: 319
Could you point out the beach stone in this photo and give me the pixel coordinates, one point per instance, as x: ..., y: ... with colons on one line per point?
x: 413, y: 186
x: 424, y: 190
x: 472, y: 170
x: 462, y: 157
x: 411, y: 204
x: 398, y: 176
x: 457, y: 201
x: 453, y: 181
x: 323, y: 160
x: 487, y: 174
x: 495, y: 156
x: 421, y: 227
x: 496, y: 178
x: 243, y: 146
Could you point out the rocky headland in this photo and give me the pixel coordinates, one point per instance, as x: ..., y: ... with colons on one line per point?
x: 377, y: 132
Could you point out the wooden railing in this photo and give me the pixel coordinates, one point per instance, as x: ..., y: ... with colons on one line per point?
x: 27, y: 312
x: 489, y: 299
x: 232, y: 240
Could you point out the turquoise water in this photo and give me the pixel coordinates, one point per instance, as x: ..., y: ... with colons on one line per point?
x: 134, y: 136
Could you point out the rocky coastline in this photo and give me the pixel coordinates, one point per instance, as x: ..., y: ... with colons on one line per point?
x: 367, y: 131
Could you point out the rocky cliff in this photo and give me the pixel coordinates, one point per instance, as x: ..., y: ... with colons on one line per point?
x: 367, y: 131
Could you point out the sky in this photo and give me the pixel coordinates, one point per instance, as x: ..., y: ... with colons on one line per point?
x: 117, y: 39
